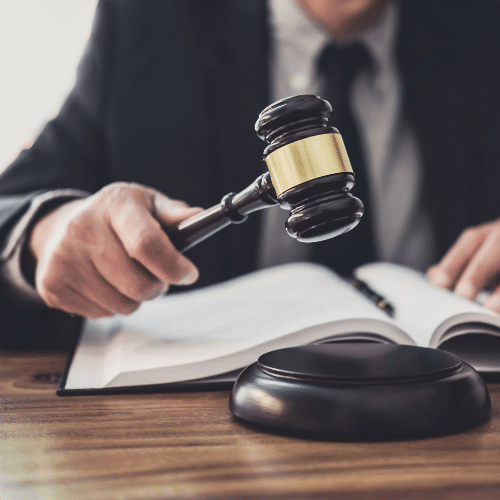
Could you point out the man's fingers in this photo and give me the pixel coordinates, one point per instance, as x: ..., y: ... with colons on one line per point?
x: 121, y: 272
x: 67, y: 299
x: 472, y: 263
x: 171, y: 212
x: 145, y: 241
x: 446, y: 273
x: 78, y: 287
x: 483, y: 266
x: 94, y: 287
x: 493, y: 301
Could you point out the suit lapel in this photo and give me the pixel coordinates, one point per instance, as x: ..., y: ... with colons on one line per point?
x: 436, y: 102
x: 235, y: 55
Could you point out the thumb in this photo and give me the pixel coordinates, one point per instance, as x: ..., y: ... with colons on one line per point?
x: 171, y: 212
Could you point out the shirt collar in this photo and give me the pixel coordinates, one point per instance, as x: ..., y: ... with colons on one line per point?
x: 293, y: 26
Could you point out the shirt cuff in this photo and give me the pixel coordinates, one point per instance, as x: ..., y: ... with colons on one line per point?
x: 10, y: 257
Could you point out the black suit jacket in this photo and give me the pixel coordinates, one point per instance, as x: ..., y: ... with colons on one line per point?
x: 168, y: 93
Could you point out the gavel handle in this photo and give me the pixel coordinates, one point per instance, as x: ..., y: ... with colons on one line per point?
x: 233, y: 209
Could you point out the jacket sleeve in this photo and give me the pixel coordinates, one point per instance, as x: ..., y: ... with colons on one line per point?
x: 70, y: 152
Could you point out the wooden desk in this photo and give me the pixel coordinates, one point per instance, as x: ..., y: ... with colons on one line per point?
x: 178, y: 446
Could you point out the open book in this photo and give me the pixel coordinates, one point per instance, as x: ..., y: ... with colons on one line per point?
x: 207, y: 336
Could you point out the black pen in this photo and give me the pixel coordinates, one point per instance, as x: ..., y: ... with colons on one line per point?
x: 378, y: 300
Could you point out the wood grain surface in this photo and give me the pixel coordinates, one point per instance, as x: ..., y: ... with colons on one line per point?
x: 187, y: 445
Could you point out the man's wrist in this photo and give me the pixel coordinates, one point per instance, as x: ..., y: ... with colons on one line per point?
x: 36, y: 235
x: 15, y: 270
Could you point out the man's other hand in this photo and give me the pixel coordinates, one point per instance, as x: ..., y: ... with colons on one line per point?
x: 471, y: 264
x: 105, y: 254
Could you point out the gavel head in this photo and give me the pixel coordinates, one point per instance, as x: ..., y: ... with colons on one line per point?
x: 309, y: 168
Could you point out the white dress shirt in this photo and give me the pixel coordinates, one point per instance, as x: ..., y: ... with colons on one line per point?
x: 402, y: 226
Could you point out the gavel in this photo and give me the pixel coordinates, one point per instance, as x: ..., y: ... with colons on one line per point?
x: 309, y: 174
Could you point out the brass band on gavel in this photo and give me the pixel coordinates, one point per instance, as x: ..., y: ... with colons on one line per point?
x: 307, y: 159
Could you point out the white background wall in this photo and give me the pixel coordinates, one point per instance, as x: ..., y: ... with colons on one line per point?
x: 41, y: 42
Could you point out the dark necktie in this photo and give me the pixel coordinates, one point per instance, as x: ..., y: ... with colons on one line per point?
x: 339, y: 66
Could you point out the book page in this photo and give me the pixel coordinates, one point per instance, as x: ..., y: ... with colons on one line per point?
x: 427, y: 313
x: 215, y: 323
x: 480, y: 349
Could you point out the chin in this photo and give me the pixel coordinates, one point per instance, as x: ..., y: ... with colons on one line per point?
x: 344, y: 17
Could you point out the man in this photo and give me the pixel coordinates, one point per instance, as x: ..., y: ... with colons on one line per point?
x: 166, y: 96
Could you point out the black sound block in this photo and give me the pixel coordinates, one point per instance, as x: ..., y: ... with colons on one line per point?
x: 361, y: 391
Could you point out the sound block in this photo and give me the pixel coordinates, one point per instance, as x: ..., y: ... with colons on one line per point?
x: 361, y: 391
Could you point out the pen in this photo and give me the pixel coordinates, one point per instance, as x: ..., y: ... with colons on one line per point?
x: 378, y: 300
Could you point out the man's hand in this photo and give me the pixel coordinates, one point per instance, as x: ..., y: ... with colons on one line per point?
x: 105, y: 254
x: 472, y: 263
